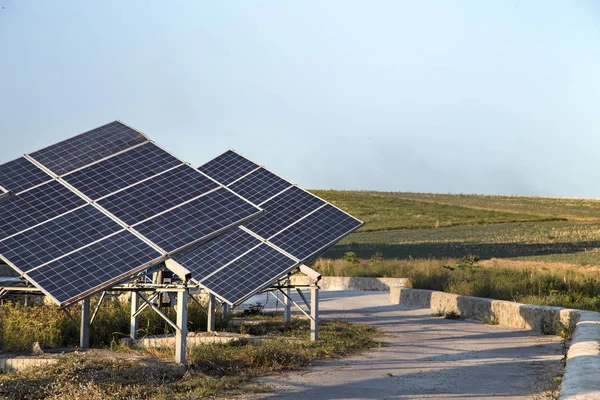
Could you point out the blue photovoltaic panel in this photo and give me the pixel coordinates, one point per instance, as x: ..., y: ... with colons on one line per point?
x: 21, y: 174
x: 228, y: 167
x: 259, y: 186
x: 157, y: 194
x: 95, y: 267
x: 64, y: 234
x: 35, y: 206
x: 316, y: 231
x: 249, y: 273
x: 197, y: 220
x: 121, y: 170
x: 210, y: 256
x: 88, y: 147
x: 284, y: 210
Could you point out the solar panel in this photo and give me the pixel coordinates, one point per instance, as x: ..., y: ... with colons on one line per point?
x: 284, y: 210
x: 35, y: 206
x: 157, y: 194
x: 228, y: 167
x: 57, y: 237
x: 121, y: 170
x: 315, y: 232
x: 21, y: 174
x: 248, y: 274
x: 210, y: 256
x: 259, y: 186
x: 88, y: 147
x: 197, y: 220
x: 301, y: 224
x: 95, y: 267
x: 67, y: 248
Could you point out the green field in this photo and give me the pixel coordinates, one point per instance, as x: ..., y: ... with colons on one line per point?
x: 420, y: 225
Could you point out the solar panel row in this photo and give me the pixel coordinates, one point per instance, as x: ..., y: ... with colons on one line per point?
x: 68, y: 248
x: 295, y: 227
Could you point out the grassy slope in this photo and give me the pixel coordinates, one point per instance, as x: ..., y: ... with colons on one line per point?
x: 387, y: 211
x: 525, y: 228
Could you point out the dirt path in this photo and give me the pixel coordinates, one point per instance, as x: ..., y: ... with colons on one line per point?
x: 425, y: 357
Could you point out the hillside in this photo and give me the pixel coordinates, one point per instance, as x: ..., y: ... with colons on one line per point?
x: 420, y: 225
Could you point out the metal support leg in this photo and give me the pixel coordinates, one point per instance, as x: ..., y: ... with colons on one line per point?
x: 226, y: 309
x: 84, y: 330
x: 210, y: 325
x: 314, y: 312
x: 181, y: 333
x: 133, y: 318
x: 287, y: 307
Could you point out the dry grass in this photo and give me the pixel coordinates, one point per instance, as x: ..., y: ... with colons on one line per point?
x: 216, y: 370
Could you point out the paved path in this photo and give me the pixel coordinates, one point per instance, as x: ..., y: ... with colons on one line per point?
x: 424, y: 357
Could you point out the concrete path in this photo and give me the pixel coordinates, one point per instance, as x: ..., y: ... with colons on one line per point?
x: 424, y: 357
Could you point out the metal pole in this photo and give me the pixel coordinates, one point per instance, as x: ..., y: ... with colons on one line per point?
x: 314, y: 312
x: 287, y: 306
x: 210, y: 325
x: 84, y: 330
x: 225, y: 309
x: 181, y: 333
x: 133, y: 318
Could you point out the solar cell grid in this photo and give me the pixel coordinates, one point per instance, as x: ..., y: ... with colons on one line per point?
x: 35, y: 206
x: 21, y: 174
x: 121, y: 170
x: 212, y: 255
x: 315, y: 231
x: 157, y: 194
x: 94, y: 267
x: 88, y: 147
x: 283, y: 210
x: 259, y: 186
x: 249, y: 273
x: 197, y: 219
x: 228, y: 167
x: 55, y: 238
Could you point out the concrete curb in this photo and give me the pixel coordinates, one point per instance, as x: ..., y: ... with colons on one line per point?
x: 354, y: 283
x: 582, y: 372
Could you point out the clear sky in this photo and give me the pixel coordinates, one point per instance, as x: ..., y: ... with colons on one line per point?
x: 464, y: 97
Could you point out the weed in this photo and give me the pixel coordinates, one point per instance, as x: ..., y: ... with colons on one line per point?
x: 452, y: 315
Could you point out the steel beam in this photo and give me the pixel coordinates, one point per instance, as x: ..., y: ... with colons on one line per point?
x: 181, y: 333
x: 287, y: 306
x: 210, y: 324
x: 133, y: 316
x: 84, y: 330
x: 314, y: 313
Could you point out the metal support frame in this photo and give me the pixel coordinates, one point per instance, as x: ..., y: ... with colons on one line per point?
x: 157, y: 310
x: 133, y: 318
x: 210, y: 324
x: 314, y: 312
x: 84, y: 330
x: 226, y: 309
x: 97, y: 307
x: 181, y: 334
x: 287, y: 306
x: 296, y: 304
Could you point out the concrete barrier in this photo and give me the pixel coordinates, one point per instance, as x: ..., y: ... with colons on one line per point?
x: 582, y: 373
x: 19, y: 364
x: 548, y: 320
x: 354, y: 283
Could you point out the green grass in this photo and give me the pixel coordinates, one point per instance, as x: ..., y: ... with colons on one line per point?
x: 564, y: 288
x: 216, y: 370
x: 385, y: 211
x: 573, y: 242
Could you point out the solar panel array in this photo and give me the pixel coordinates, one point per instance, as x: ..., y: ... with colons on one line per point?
x: 93, y: 210
x: 295, y: 228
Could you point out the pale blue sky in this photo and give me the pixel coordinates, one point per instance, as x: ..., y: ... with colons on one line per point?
x: 464, y: 97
